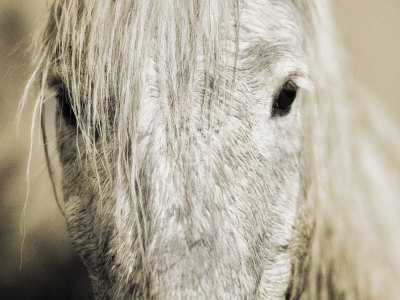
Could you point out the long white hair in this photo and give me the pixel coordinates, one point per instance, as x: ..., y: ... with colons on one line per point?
x: 352, y: 145
x: 354, y: 187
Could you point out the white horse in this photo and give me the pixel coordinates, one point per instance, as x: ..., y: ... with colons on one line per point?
x: 211, y: 149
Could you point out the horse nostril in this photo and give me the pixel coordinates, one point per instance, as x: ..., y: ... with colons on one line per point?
x: 283, y: 102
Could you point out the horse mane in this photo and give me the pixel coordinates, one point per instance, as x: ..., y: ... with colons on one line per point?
x: 352, y: 193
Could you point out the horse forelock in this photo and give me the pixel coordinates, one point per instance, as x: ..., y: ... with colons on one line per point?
x: 104, y: 50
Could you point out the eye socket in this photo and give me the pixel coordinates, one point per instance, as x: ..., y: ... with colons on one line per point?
x: 284, y: 100
x: 64, y: 101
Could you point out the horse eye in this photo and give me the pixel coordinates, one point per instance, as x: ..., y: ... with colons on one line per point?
x: 283, y: 102
x: 64, y: 100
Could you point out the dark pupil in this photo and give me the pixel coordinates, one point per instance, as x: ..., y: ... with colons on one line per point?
x: 286, y: 97
x: 65, y: 105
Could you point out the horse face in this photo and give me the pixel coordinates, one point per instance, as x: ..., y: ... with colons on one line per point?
x: 208, y: 209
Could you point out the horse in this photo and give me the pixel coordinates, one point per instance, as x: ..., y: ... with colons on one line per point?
x: 216, y: 150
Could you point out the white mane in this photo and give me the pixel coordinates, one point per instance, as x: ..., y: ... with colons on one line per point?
x: 354, y: 179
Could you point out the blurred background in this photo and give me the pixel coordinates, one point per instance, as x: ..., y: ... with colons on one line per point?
x: 370, y: 31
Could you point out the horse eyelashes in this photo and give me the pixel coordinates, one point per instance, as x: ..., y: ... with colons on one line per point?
x: 64, y: 100
x: 284, y: 100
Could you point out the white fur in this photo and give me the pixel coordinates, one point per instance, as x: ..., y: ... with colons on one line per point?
x: 179, y: 183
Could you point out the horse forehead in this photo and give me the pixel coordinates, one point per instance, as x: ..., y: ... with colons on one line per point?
x: 271, y: 20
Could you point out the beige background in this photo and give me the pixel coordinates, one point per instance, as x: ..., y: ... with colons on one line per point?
x: 370, y: 30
